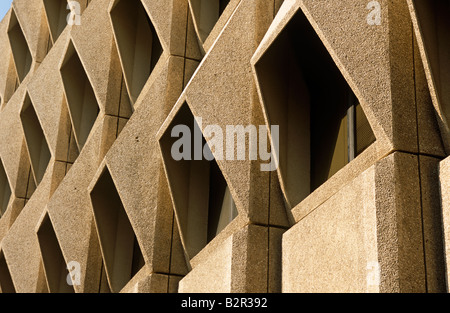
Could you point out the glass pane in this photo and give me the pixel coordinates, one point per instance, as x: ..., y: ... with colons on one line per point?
x: 364, y: 134
x: 222, y: 209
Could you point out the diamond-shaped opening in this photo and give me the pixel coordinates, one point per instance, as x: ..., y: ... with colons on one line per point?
x: 95, y: 273
x: 206, y: 14
x: 55, y: 267
x: 57, y: 12
x: 322, y: 125
x: 434, y: 22
x: 12, y: 81
x: 6, y: 282
x: 202, y: 199
x: 38, y: 150
x: 27, y: 185
x: 19, y: 46
x: 80, y: 96
x: 5, y: 190
x: 66, y: 150
x: 137, y: 42
x: 122, y: 255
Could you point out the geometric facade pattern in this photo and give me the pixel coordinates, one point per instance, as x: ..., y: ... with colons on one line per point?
x: 117, y: 118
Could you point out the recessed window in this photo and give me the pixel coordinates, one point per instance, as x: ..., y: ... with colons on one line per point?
x: 221, y: 206
x: 122, y: 255
x: 80, y: 96
x: 137, y: 42
x: 55, y: 267
x: 66, y: 150
x: 206, y: 14
x: 6, y: 283
x: 57, y: 12
x: 322, y: 125
x: 27, y: 186
x: 434, y: 24
x: 12, y: 81
x: 339, y: 134
x: 202, y: 199
x: 5, y: 190
x: 19, y: 46
x: 38, y: 150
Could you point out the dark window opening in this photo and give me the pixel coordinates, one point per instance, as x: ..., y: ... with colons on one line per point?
x: 202, y: 198
x: 38, y: 150
x: 206, y: 14
x: 55, y: 267
x: 322, y: 125
x: 57, y: 12
x: 137, y: 42
x: 222, y: 209
x: 80, y: 97
x: 120, y: 249
x: 434, y: 22
x: 6, y: 282
x: 20, y: 49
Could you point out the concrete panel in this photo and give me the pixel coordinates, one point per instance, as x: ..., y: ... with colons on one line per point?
x: 212, y: 276
x: 334, y: 248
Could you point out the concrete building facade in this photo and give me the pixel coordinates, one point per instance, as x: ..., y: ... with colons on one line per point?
x: 201, y: 146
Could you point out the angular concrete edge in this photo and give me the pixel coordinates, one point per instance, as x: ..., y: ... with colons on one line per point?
x: 444, y: 175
